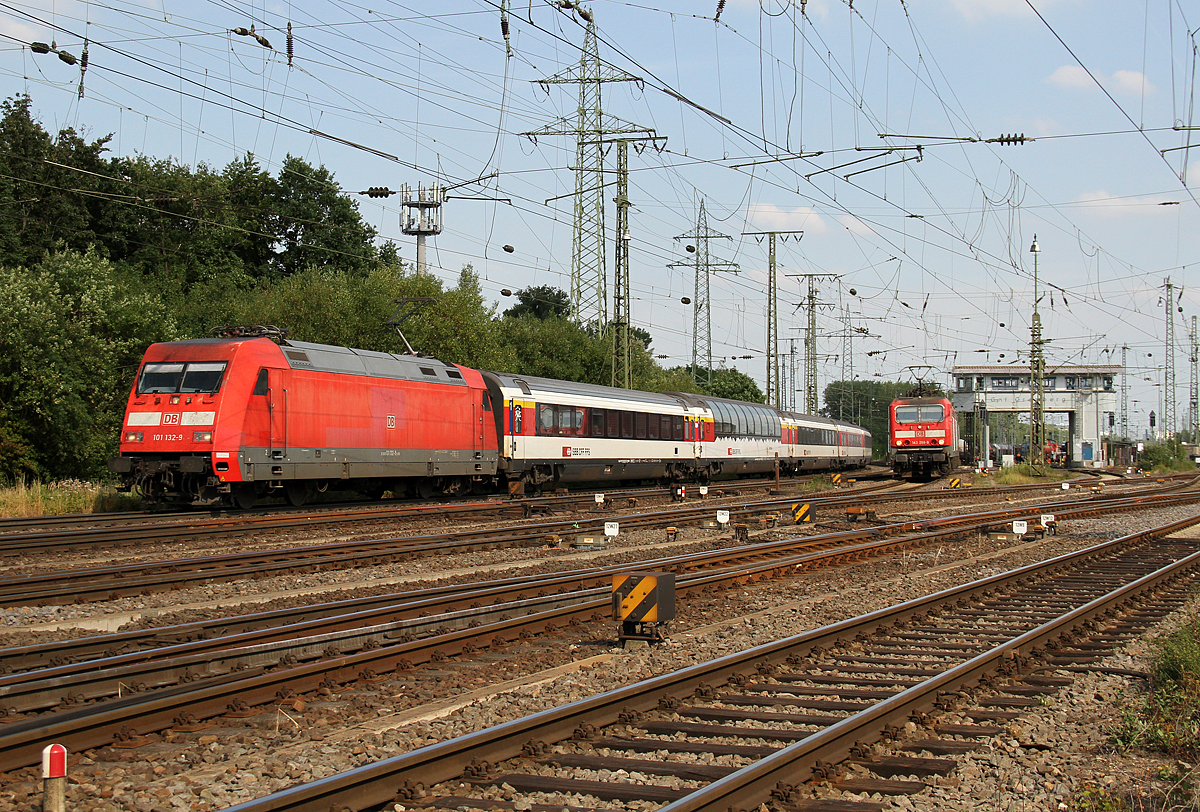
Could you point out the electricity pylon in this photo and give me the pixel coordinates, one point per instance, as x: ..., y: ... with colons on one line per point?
x: 701, y: 312
x: 591, y: 127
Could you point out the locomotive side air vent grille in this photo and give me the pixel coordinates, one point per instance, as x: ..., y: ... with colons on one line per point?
x: 428, y: 371
x: 454, y: 373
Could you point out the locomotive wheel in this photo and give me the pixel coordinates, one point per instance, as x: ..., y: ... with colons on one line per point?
x: 244, y: 496
x: 423, y: 488
x: 297, y: 493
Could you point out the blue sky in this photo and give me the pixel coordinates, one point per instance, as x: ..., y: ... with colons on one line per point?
x: 937, y: 250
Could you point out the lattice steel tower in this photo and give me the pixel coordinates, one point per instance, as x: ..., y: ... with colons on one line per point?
x: 701, y: 312
x: 1169, y: 424
x: 1194, y: 394
x: 774, y: 382
x: 1037, y: 374
x: 589, y: 274
x: 1124, y: 393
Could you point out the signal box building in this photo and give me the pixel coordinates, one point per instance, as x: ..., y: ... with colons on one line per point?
x: 1086, y: 393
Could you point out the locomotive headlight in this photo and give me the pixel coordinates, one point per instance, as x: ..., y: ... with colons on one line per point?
x: 132, y: 437
x: 201, y: 436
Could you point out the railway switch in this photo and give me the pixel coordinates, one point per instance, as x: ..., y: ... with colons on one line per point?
x: 741, y: 532
x: 643, y: 602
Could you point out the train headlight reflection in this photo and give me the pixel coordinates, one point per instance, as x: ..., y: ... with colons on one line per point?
x: 201, y: 436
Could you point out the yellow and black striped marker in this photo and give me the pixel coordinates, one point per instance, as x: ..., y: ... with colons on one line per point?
x: 954, y: 482
x: 802, y: 512
x: 643, y: 597
x: 836, y: 479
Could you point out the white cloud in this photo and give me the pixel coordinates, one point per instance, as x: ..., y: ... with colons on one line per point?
x: 16, y: 30
x: 1070, y: 76
x: 1122, y: 81
x: 770, y: 217
x: 855, y: 226
x: 976, y: 10
x: 1132, y: 81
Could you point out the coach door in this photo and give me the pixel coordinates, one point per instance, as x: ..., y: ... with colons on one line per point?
x: 277, y: 405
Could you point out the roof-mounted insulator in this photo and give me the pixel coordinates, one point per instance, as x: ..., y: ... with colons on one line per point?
x: 720, y: 8
x: 39, y: 47
x: 289, y: 43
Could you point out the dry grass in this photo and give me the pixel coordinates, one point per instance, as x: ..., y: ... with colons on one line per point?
x: 62, y: 497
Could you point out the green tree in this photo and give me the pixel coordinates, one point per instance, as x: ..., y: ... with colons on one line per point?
x: 314, y: 224
x: 733, y: 384
x: 72, y: 333
x: 45, y: 201
x: 542, y: 302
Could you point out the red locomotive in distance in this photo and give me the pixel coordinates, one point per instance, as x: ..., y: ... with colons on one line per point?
x: 922, y: 437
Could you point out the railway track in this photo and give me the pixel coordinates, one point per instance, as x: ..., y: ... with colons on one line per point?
x: 259, y: 658
x: 752, y: 727
x: 111, y: 582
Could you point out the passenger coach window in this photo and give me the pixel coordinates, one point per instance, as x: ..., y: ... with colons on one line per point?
x: 677, y: 426
x: 627, y: 425
x: 652, y: 426
x: 545, y: 422
x: 597, y: 422
x: 639, y: 425
x: 614, y: 423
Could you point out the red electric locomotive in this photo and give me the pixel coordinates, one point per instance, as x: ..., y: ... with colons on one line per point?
x: 231, y: 419
x: 923, y: 437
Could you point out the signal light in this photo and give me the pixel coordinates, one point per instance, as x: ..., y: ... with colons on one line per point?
x: 1152, y: 420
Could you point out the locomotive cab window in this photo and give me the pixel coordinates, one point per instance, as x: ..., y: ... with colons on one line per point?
x: 260, y: 385
x: 927, y: 413
x: 178, y: 378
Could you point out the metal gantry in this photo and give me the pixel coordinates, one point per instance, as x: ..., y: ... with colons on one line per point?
x: 701, y: 313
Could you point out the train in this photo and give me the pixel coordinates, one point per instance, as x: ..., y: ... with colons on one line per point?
x: 923, y: 439
x: 250, y: 414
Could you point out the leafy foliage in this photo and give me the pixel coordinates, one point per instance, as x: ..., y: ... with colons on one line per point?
x: 106, y: 255
x: 71, y: 335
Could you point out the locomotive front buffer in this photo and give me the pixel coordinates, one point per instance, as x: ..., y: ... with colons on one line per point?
x: 643, y: 603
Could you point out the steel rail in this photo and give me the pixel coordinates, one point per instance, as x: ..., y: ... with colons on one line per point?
x: 329, y: 617
x: 112, y: 582
x: 378, y: 783
x: 90, y: 726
